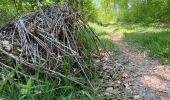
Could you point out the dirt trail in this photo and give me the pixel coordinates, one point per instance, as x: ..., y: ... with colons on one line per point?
x: 145, y: 77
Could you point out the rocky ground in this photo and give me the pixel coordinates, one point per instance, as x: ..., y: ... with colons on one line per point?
x: 133, y: 75
x: 112, y: 78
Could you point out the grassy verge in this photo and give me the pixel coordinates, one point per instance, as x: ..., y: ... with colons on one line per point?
x: 103, y: 36
x: 14, y: 87
x: 6, y: 16
x: 152, y: 38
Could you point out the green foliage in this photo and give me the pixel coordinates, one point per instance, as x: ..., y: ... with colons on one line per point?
x: 6, y: 16
x: 106, y: 13
x: 7, y: 11
x: 105, y: 39
x: 30, y: 88
x: 88, y: 10
x: 23, y: 6
x: 26, y: 89
x: 136, y: 10
x: 8, y: 8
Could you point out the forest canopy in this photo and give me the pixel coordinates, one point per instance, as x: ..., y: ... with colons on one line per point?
x: 137, y: 10
x: 97, y: 10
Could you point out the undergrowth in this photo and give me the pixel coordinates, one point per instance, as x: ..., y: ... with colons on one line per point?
x: 103, y: 36
x: 6, y: 16
x: 14, y: 87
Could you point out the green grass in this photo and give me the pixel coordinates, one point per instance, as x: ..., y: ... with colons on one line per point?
x: 6, y: 16
x: 152, y: 38
x: 30, y: 89
x: 103, y: 36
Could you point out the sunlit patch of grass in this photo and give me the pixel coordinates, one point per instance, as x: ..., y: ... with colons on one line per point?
x: 155, y: 43
x: 98, y: 28
x: 105, y: 39
x: 153, y: 39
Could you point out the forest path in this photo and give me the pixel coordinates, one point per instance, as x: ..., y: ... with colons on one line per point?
x: 145, y: 77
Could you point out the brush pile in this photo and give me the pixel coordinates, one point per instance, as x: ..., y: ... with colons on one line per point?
x: 48, y: 40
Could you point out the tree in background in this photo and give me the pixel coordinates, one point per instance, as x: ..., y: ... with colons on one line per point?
x: 106, y: 10
x: 136, y: 10
x: 86, y: 8
x: 103, y: 11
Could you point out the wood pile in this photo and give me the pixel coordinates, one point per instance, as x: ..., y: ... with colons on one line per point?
x: 47, y: 40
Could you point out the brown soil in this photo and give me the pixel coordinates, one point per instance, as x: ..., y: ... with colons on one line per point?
x: 144, y: 76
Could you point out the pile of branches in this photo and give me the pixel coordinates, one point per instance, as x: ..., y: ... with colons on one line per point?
x: 47, y: 40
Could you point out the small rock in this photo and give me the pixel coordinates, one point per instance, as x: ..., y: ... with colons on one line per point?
x: 97, y: 61
x: 107, y: 70
x: 19, y: 50
x: 6, y: 45
x: 107, y: 94
x: 116, y: 86
x: 109, y: 84
x: 4, y: 31
x: 136, y: 97
x: 127, y: 86
x: 109, y: 89
x: 106, y: 67
x: 118, y: 82
x: 105, y: 58
x: 132, y: 69
x: 130, y: 84
x: 112, y: 91
x: 125, y: 75
x: 118, y: 65
x: 116, y: 91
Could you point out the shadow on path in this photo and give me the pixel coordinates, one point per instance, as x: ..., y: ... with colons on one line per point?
x: 144, y: 76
